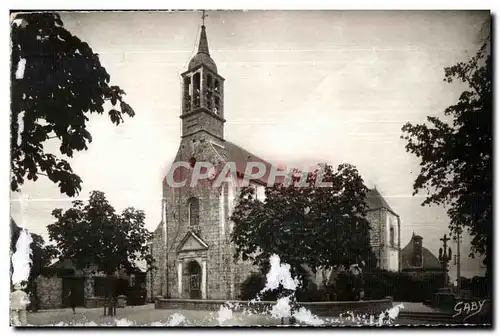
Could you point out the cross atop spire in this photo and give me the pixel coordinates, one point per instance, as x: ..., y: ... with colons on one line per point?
x: 203, y: 16
x: 203, y: 43
x: 203, y: 54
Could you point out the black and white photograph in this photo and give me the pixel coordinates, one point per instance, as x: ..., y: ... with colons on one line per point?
x: 246, y: 168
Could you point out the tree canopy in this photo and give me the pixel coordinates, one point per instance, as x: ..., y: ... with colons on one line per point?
x: 456, y: 156
x: 306, y: 226
x: 94, y: 234
x: 57, y: 82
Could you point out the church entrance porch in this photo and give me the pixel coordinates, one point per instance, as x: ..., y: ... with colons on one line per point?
x: 191, y: 278
x: 191, y: 261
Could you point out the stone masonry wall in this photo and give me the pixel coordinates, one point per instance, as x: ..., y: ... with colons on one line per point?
x: 377, y: 219
x: 209, y: 228
x: 88, y: 289
x: 154, y: 278
x: 49, y: 292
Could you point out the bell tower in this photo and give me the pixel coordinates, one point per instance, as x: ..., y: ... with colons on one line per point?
x: 202, y: 94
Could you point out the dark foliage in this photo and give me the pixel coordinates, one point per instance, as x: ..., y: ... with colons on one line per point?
x: 63, y: 83
x: 93, y: 234
x: 477, y: 285
x: 306, y: 225
x: 348, y: 289
x: 401, y: 286
x: 253, y: 284
x: 456, y: 156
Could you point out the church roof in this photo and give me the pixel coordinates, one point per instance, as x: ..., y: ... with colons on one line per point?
x: 241, y: 157
x: 203, y: 55
x: 429, y: 260
x: 375, y: 201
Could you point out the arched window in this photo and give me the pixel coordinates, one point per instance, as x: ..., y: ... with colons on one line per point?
x: 193, y: 211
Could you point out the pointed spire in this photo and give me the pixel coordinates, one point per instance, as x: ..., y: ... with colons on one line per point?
x: 203, y: 55
x: 203, y: 44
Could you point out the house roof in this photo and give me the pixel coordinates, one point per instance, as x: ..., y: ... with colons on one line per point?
x: 429, y: 260
x: 63, y: 264
x: 67, y: 264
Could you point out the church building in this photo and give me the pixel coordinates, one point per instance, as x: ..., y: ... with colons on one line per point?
x: 191, y: 245
x: 417, y: 260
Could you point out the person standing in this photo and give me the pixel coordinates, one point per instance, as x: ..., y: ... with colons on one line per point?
x: 19, y: 301
x: 71, y: 298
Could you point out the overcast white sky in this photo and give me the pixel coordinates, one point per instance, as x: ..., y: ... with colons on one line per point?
x: 303, y: 86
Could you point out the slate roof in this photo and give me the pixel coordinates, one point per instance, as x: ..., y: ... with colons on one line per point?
x: 429, y: 260
x: 203, y: 55
x: 375, y: 201
x: 240, y: 156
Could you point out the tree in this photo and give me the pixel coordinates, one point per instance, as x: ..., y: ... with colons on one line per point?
x: 95, y: 235
x: 306, y: 226
x: 456, y: 157
x: 57, y: 82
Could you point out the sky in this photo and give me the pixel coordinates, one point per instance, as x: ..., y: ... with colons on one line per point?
x: 301, y: 87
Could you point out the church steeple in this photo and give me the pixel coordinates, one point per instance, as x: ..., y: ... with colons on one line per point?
x: 203, y: 55
x: 203, y: 44
x: 203, y: 95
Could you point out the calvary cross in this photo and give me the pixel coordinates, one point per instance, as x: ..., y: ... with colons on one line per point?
x: 444, y: 240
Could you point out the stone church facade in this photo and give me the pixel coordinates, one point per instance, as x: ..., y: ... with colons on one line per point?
x: 191, y: 245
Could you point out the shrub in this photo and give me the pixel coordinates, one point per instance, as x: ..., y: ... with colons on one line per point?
x: 253, y: 284
x: 401, y: 286
x: 312, y: 294
x: 376, y: 287
x: 348, y: 287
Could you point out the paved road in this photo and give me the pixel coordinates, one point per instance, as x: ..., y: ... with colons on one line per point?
x: 418, y: 307
x: 143, y: 315
x: 147, y: 315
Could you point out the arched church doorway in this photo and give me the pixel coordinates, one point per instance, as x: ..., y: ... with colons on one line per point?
x: 194, y: 271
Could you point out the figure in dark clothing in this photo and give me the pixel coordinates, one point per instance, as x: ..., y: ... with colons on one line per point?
x: 71, y: 298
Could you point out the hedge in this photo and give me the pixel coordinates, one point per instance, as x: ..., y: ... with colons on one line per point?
x: 376, y: 285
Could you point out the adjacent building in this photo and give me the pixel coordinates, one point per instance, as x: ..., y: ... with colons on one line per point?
x: 418, y: 260
x: 386, y: 231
